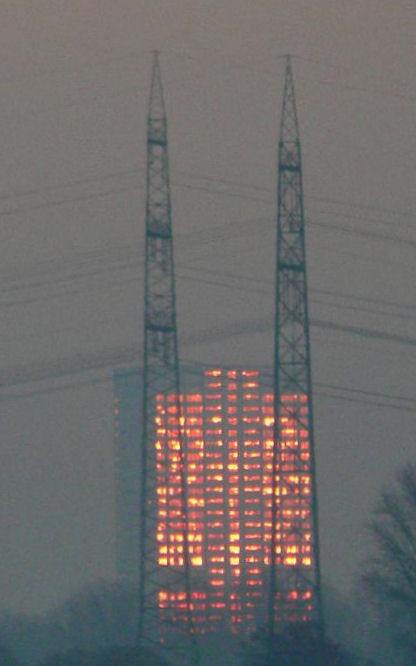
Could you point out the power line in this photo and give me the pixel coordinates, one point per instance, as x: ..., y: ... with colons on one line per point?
x: 69, y: 200
x: 94, y: 381
x: 208, y: 190
x: 88, y: 256
x: 70, y: 183
x: 137, y: 169
x: 377, y: 301
x: 371, y: 235
x: 338, y: 202
x: 333, y: 228
x: 378, y: 394
x: 383, y: 405
x: 127, y: 354
x: 377, y: 209
x: 56, y: 389
x: 223, y: 284
x: 354, y: 216
x: 327, y: 292
x: 355, y: 308
x: 365, y: 332
x: 75, y: 276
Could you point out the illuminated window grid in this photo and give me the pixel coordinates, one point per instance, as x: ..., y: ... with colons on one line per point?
x: 229, y: 431
x: 216, y: 493
x: 251, y: 500
x: 294, y: 512
x: 171, y: 527
x: 294, y: 502
x: 238, y: 395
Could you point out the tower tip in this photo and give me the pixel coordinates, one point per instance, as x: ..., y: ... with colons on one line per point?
x: 156, y: 102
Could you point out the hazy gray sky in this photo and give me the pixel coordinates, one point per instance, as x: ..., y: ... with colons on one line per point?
x: 74, y: 81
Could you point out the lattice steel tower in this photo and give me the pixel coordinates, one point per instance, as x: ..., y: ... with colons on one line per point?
x: 159, y: 628
x: 295, y: 589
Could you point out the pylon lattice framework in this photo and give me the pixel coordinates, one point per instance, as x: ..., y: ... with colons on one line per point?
x: 295, y: 590
x: 156, y: 626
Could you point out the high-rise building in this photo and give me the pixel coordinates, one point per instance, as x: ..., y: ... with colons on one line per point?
x: 228, y: 422
x: 127, y: 421
x: 128, y: 401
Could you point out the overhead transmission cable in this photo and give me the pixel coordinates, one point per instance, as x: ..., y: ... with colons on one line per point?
x: 133, y: 265
x: 345, y: 389
x: 217, y: 192
x: 248, y: 186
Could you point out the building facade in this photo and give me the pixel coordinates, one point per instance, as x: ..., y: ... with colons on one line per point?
x: 227, y: 424
x: 127, y: 409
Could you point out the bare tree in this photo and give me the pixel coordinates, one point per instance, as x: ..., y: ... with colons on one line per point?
x: 390, y: 575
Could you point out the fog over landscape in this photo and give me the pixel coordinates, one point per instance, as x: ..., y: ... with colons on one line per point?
x: 74, y: 91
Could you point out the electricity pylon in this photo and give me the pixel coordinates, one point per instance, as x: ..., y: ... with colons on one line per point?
x: 295, y: 583
x: 162, y: 626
